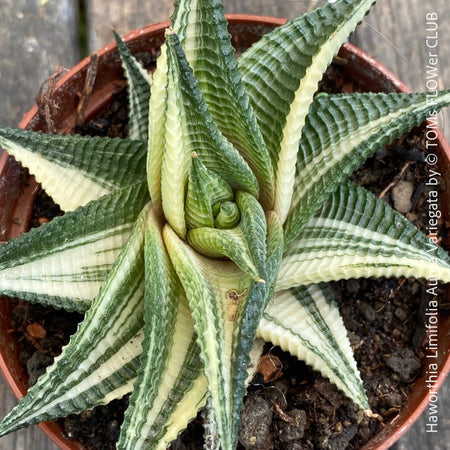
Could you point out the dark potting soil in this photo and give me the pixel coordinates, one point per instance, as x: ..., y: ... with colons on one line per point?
x: 289, y: 406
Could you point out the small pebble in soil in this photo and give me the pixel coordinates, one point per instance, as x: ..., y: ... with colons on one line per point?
x: 401, y: 196
x: 37, y: 365
x: 254, y: 432
x: 401, y: 314
x: 367, y: 311
x: 36, y: 330
x: 292, y: 426
x: 405, y: 363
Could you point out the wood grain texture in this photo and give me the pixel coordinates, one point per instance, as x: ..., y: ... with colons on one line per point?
x: 395, y: 33
x: 122, y: 16
x: 35, y: 40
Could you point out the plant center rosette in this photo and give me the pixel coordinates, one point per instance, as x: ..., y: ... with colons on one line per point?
x: 215, y: 226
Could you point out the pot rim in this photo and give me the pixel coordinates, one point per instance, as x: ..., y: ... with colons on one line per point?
x: 392, y: 82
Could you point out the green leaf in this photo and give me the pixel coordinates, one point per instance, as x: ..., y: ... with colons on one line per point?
x: 226, y: 306
x: 203, y: 32
x: 76, y: 169
x: 228, y: 216
x: 178, y: 399
x: 184, y: 392
x: 306, y: 322
x: 201, y: 314
x: 189, y: 128
x: 281, y: 73
x: 205, y: 192
x: 354, y: 235
x: 341, y: 131
x: 244, y: 244
x: 205, y: 300
x: 97, y: 358
x: 170, y: 363
x: 214, y: 289
x: 138, y: 82
x: 250, y: 309
x: 63, y: 263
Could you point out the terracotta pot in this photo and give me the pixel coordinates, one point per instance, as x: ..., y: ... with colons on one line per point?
x: 17, y: 189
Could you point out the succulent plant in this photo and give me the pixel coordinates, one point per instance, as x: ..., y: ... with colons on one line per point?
x: 215, y: 226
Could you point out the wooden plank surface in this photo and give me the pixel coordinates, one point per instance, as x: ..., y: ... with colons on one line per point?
x: 35, y: 40
x: 395, y: 33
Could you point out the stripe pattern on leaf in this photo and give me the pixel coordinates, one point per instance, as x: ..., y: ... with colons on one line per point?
x: 74, y: 170
x: 306, y: 322
x: 304, y: 47
x: 138, y: 82
x: 341, y: 131
x: 189, y: 129
x: 355, y: 235
x: 250, y: 215
x: 203, y: 33
x: 66, y: 268
x: 97, y: 359
x: 170, y: 363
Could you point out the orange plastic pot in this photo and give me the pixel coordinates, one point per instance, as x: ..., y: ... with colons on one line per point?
x: 17, y: 190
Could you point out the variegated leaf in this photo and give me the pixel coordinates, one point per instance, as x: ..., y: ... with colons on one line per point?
x: 341, y: 131
x: 63, y: 263
x: 205, y: 193
x: 186, y: 392
x: 357, y: 235
x: 156, y: 125
x: 287, y: 65
x: 170, y: 363
x: 74, y: 170
x: 250, y: 309
x: 191, y: 354
x: 189, y: 128
x: 207, y: 284
x: 226, y: 307
x: 306, y: 322
x: 138, y: 83
x: 202, y: 29
x: 93, y: 363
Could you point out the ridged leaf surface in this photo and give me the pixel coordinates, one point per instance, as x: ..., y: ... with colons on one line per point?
x: 189, y: 128
x: 211, y: 288
x: 306, y: 322
x: 341, y: 131
x: 287, y: 65
x: 63, y: 263
x: 250, y: 309
x: 355, y: 235
x: 170, y: 362
x: 203, y: 32
x: 205, y: 192
x: 74, y: 170
x: 250, y: 212
x: 244, y: 244
x: 138, y: 83
x: 156, y: 124
x: 93, y: 363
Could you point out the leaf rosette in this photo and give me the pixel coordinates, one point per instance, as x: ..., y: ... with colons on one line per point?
x: 238, y: 214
